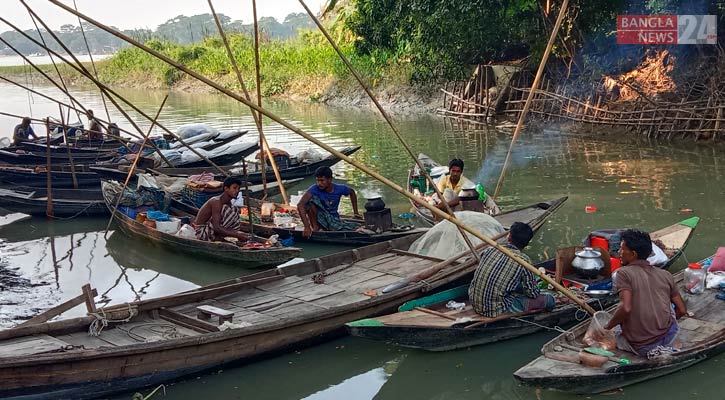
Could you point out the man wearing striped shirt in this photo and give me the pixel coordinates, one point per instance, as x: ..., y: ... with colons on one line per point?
x: 502, y: 286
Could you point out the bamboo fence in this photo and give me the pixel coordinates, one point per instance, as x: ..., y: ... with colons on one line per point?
x: 702, y: 119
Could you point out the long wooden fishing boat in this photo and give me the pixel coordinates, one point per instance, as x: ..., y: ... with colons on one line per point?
x: 66, y: 202
x: 415, y: 176
x: 223, y: 251
x: 428, y: 324
x: 170, y: 337
x: 701, y: 337
x: 85, y: 201
x: 61, y: 176
x: 41, y: 148
x: 295, y: 169
x: 25, y: 158
x: 535, y: 215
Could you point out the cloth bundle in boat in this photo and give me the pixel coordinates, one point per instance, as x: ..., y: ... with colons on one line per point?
x: 145, y: 196
x: 718, y: 262
x: 444, y: 240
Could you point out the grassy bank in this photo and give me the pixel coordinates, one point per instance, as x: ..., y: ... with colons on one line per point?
x: 306, y: 66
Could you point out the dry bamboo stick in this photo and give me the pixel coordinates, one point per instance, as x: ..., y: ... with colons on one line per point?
x: 534, y: 86
x: 133, y: 167
x: 49, y: 172
x: 387, y: 118
x: 331, y: 150
x: 257, y: 117
x: 67, y: 147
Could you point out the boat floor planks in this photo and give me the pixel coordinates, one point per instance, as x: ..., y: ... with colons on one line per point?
x: 31, y: 345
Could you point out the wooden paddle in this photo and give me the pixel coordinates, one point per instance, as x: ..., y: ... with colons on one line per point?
x: 432, y: 270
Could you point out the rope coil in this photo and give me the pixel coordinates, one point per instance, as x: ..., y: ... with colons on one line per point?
x: 102, y: 321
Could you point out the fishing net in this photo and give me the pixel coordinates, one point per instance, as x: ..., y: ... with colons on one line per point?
x: 444, y: 240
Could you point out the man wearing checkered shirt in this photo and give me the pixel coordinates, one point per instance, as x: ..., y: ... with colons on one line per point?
x: 502, y: 286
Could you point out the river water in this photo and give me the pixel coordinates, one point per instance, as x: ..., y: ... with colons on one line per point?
x: 632, y: 181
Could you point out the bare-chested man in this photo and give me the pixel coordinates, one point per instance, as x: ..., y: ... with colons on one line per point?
x: 94, y: 127
x: 218, y: 218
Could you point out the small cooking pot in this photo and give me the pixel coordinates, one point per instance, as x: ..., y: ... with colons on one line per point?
x: 588, y: 262
x: 374, y: 204
x: 467, y: 194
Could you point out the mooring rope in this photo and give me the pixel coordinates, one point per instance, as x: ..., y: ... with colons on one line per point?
x: 102, y: 321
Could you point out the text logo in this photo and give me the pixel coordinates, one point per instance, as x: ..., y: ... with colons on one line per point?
x: 666, y: 29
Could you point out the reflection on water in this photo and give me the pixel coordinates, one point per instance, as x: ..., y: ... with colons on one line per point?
x: 633, y: 182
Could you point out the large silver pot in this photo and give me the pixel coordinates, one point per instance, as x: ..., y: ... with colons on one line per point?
x: 588, y: 262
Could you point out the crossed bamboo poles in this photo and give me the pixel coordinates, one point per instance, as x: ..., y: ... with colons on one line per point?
x: 331, y: 150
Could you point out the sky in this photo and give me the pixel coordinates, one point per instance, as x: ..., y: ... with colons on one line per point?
x: 130, y: 14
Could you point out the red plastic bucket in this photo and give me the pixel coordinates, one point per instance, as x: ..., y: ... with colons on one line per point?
x: 616, y: 263
x: 598, y: 241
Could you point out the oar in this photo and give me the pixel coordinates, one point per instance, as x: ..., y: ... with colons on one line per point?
x: 430, y: 271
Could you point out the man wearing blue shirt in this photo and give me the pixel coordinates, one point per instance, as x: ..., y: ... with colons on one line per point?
x: 318, y: 206
x: 23, y: 132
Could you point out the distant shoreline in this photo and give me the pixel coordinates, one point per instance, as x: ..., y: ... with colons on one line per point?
x: 17, y: 61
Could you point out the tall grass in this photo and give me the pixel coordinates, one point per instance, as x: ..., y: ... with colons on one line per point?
x: 283, y: 63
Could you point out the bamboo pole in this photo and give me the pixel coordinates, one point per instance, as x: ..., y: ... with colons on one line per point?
x: 258, y: 80
x: 70, y: 107
x: 387, y: 118
x: 78, y: 66
x: 247, y: 201
x: 257, y: 118
x: 49, y: 172
x: 333, y: 151
x: 93, y: 64
x: 67, y: 147
x: 133, y: 166
x: 539, y: 73
x: 52, y: 60
x: 82, y: 70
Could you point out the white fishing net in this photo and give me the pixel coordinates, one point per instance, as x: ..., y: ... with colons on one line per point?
x: 444, y: 240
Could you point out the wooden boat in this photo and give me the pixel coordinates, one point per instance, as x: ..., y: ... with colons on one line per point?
x: 249, y: 257
x: 295, y: 170
x: 223, y: 155
x: 41, y: 148
x: 701, y: 337
x: 535, y: 215
x: 84, y: 202
x: 273, y: 310
x: 428, y: 324
x: 25, y: 158
x: 61, y: 176
x: 414, y: 176
x: 66, y: 202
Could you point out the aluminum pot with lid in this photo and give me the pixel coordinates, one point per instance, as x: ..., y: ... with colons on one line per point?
x: 588, y: 262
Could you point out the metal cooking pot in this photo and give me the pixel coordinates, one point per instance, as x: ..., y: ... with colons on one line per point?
x: 468, y: 194
x: 588, y: 262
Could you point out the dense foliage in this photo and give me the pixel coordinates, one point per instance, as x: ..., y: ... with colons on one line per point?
x: 442, y: 37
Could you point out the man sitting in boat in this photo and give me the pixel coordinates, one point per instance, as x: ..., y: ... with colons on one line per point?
x: 501, y: 286
x: 318, y: 206
x: 218, y: 218
x: 450, y: 185
x: 23, y: 132
x: 644, y: 318
x: 95, y: 132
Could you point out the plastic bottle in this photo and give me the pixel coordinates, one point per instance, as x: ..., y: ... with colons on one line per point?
x: 695, y: 278
x: 481, y: 192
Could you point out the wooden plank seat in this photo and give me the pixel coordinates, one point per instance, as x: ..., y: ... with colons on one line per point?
x: 205, y: 313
